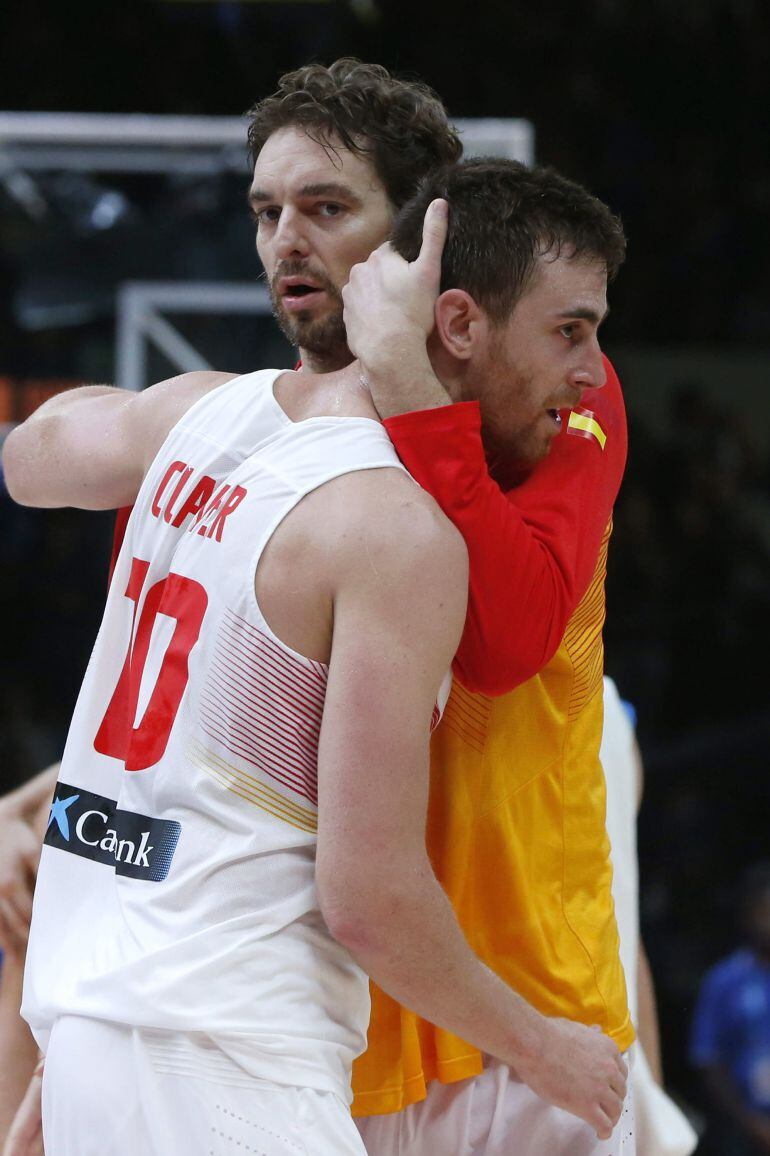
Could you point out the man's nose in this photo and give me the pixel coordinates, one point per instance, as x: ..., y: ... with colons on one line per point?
x: 591, y: 373
x: 290, y: 238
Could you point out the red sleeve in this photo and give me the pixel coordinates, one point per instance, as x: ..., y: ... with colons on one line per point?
x: 533, y: 550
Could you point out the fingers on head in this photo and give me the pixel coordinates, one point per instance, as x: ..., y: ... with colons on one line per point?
x: 435, y: 225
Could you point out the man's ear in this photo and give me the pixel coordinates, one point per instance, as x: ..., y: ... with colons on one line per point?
x: 460, y: 323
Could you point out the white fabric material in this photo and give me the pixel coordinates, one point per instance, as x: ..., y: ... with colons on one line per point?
x: 493, y: 1114
x: 662, y: 1129
x: 231, y: 942
x: 617, y: 756
x: 110, y: 1090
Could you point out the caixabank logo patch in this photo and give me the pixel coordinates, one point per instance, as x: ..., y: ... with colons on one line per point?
x: 96, y: 828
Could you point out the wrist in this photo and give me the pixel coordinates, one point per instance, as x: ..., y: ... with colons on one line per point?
x: 530, y: 1037
x: 404, y: 381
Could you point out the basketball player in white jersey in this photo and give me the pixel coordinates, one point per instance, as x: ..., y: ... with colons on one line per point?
x: 241, y: 806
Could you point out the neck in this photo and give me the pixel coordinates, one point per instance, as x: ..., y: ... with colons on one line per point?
x: 327, y: 362
x: 339, y: 393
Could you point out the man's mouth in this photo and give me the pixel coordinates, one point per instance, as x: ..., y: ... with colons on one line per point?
x: 295, y: 293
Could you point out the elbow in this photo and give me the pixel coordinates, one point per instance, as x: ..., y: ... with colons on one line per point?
x: 350, y: 919
x: 15, y: 468
x: 351, y: 927
x: 359, y: 909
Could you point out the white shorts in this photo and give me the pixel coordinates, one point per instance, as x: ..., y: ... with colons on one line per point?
x: 111, y: 1090
x: 493, y: 1114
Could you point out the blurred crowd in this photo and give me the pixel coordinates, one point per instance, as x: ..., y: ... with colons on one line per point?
x: 687, y: 635
x: 689, y: 583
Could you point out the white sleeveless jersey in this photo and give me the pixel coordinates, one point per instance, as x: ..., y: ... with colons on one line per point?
x: 177, y: 884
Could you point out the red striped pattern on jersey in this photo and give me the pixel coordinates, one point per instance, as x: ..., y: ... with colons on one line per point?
x: 467, y: 715
x: 263, y: 705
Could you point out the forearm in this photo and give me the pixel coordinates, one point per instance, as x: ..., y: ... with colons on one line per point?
x: 402, y: 380
x: 47, y: 460
x: 26, y: 801
x: 18, y: 1051
x: 408, y: 940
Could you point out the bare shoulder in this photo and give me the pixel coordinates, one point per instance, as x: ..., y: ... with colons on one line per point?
x: 162, y: 405
x: 196, y: 382
x: 383, y: 525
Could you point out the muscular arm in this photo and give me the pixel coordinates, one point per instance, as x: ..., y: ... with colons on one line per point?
x: 398, y: 610
x: 90, y: 447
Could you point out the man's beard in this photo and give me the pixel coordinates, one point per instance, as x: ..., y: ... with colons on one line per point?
x: 323, y: 338
x: 512, y: 454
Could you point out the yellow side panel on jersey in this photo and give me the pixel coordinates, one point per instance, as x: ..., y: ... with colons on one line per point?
x: 516, y: 833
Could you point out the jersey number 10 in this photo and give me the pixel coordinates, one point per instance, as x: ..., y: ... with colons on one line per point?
x: 141, y: 744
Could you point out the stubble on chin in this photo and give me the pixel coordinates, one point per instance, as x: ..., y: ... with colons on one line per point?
x: 323, y: 338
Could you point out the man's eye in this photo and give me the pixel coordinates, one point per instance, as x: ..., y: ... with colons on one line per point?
x: 568, y: 331
x: 330, y: 209
x: 265, y: 216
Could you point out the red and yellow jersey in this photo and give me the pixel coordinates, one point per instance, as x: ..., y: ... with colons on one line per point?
x: 516, y: 824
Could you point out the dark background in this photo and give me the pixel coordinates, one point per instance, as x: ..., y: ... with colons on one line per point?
x: 661, y: 108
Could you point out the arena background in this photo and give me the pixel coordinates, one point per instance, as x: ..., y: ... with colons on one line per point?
x: 663, y: 109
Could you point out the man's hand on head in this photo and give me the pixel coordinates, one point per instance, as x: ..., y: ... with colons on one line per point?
x: 389, y: 315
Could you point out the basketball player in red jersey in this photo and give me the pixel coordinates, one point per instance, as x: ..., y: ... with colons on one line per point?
x: 309, y: 220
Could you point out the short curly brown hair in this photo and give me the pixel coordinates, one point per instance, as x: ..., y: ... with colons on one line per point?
x: 400, y: 126
x: 502, y: 218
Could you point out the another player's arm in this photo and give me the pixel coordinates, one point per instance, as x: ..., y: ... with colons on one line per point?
x: 399, y: 600
x: 21, y: 832
x: 18, y: 1051
x: 90, y: 447
x: 25, y: 1137
x: 647, y: 1027
x: 22, y: 820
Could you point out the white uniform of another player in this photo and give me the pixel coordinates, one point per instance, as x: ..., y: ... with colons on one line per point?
x: 180, y: 977
x: 661, y: 1128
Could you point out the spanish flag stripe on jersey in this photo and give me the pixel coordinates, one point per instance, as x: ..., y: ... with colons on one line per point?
x: 583, y: 423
